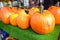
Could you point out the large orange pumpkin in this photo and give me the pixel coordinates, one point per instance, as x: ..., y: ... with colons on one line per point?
x: 5, y: 14
x: 43, y: 23
x: 33, y: 10
x: 13, y: 19
x: 23, y: 20
x: 56, y: 12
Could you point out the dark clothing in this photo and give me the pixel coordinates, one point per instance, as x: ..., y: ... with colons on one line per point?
x: 5, y: 34
x: 48, y: 3
x: 55, y: 1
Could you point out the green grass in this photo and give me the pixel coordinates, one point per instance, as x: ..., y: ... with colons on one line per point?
x: 29, y: 34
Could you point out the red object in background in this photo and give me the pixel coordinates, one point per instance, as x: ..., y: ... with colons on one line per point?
x: 31, y: 2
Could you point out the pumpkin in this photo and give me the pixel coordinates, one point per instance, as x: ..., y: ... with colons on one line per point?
x: 33, y: 10
x: 0, y: 15
x: 10, y: 38
x: 5, y: 14
x: 56, y: 12
x: 21, y: 11
x: 13, y: 19
x: 42, y: 23
x: 23, y: 20
x: 15, y: 9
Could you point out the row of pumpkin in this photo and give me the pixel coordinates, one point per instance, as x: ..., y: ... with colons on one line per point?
x: 41, y: 23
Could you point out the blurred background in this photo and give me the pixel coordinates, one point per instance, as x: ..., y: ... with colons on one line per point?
x: 29, y: 3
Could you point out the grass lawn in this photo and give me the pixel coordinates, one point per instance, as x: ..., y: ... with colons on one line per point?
x: 29, y: 34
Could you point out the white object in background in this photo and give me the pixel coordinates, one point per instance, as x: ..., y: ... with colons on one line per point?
x: 1, y: 4
x: 26, y: 3
x: 14, y: 3
x: 41, y: 1
x: 4, y: 3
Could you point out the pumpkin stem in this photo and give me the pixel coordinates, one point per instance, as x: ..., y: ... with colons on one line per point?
x: 58, y: 3
x: 41, y: 6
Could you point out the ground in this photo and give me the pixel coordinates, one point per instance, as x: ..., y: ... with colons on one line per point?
x: 29, y: 34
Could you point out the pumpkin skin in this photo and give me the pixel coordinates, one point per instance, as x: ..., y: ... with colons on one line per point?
x: 42, y: 23
x: 13, y: 19
x: 56, y: 12
x: 33, y: 10
x: 21, y: 11
x: 15, y: 9
x: 5, y: 13
x: 23, y: 21
x: 0, y: 15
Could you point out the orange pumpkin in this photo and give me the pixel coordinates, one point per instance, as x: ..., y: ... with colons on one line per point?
x: 15, y: 9
x: 56, y: 12
x: 43, y: 23
x: 33, y: 10
x: 23, y: 20
x: 21, y: 11
x: 5, y: 14
x: 13, y: 19
x: 0, y: 15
